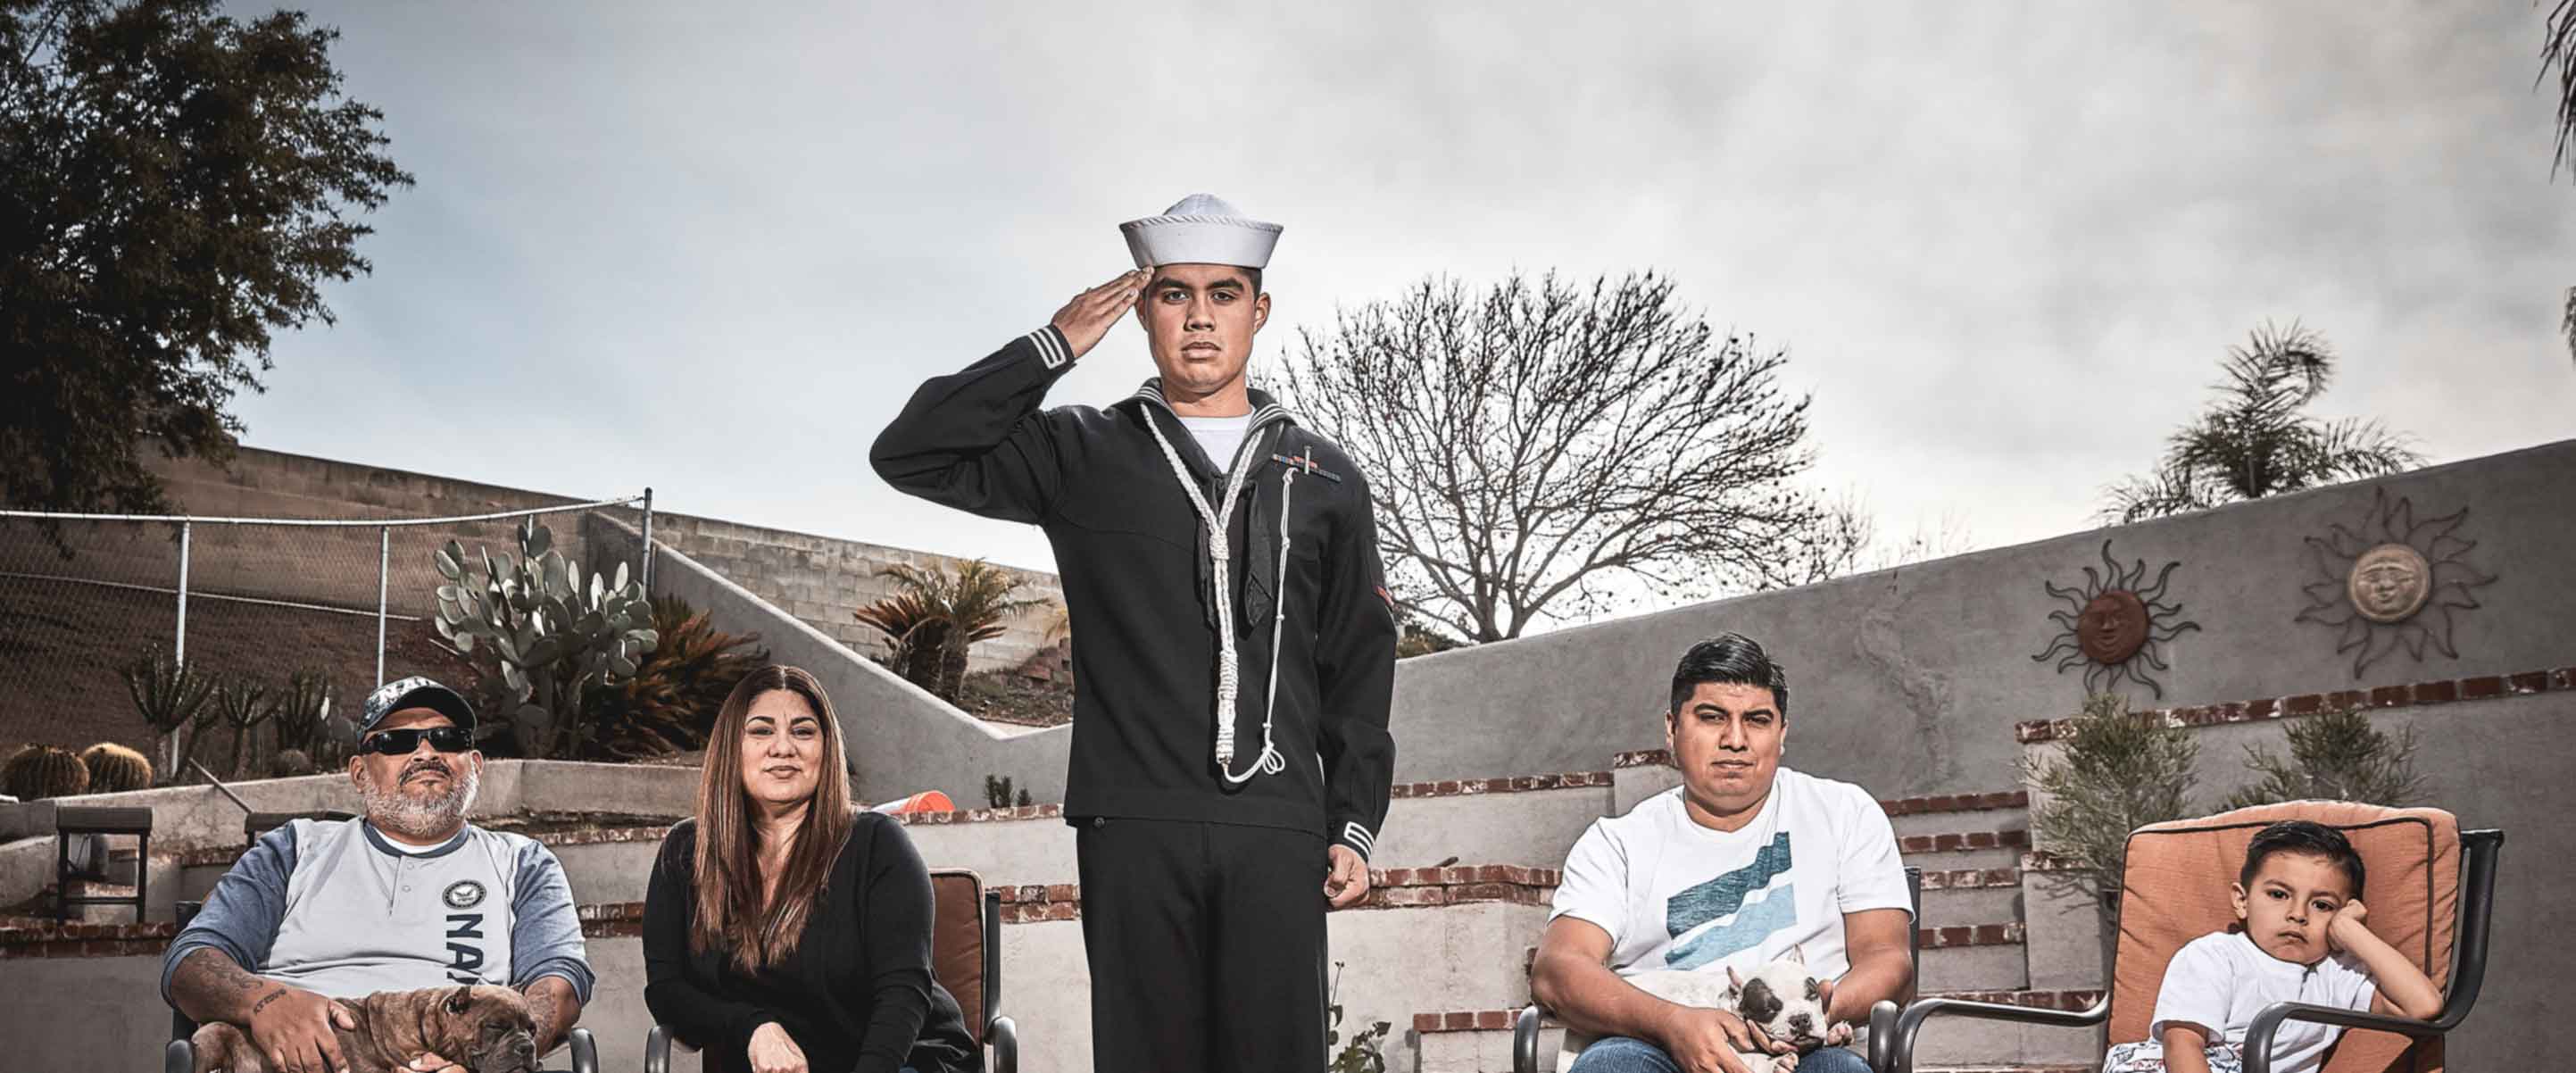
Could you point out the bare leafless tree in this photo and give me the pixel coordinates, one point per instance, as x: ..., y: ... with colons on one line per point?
x: 1543, y: 448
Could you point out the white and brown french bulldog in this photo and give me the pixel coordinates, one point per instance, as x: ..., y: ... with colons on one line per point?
x: 1782, y: 999
x: 486, y: 1028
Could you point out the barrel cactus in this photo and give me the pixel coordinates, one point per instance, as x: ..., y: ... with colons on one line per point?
x: 115, y: 769
x: 551, y: 636
x: 42, y: 771
x: 290, y: 763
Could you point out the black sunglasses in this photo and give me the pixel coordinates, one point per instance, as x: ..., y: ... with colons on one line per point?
x: 398, y: 742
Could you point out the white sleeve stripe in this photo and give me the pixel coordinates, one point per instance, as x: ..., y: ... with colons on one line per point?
x: 1050, y: 351
x: 1359, y: 837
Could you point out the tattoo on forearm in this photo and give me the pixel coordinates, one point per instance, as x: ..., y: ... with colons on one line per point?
x: 208, y: 984
x: 265, y: 1000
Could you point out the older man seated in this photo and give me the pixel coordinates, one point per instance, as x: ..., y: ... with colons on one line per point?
x: 1733, y: 869
x: 409, y: 897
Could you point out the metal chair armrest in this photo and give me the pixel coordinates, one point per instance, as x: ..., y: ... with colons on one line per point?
x: 179, y: 1056
x: 2267, y: 1023
x: 1898, y: 1050
x: 1882, y: 1034
x: 1525, y: 1039
x: 585, y: 1051
x: 657, y: 1049
x: 1004, y: 1034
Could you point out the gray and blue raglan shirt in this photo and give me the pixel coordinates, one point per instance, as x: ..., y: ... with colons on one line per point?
x: 332, y: 906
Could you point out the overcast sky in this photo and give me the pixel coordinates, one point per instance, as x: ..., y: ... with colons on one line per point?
x: 712, y: 247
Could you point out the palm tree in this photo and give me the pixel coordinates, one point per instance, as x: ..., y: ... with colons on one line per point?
x: 2254, y: 441
x: 940, y: 615
x: 2558, y: 49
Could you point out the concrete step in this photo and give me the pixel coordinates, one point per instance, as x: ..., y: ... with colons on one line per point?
x: 1950, y: 907
x: 1989, y: 957
x: 2002, y: 810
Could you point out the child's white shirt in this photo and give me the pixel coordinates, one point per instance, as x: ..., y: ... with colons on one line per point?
x: 2221, y: 980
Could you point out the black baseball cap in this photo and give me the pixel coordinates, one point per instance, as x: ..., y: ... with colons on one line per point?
x: 414, y: 692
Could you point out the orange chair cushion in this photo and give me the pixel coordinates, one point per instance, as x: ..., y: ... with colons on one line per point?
x: 2176, y: 888
x: 957, y: 941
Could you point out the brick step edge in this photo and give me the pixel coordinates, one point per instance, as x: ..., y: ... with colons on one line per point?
x: 1971, y: 879
x: 1963, y: 935
x: 1963, y: 841
x: 1500, y: 1020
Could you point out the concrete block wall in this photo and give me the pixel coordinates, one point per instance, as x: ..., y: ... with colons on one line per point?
x: 816, y: 578
x: 1909, y: 680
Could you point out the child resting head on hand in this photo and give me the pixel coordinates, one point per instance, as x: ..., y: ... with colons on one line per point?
x: 2300, y: 936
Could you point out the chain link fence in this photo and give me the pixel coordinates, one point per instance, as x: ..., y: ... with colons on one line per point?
x: 348, y: 603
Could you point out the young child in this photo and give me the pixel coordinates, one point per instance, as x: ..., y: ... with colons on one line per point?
x: 2298, y: 901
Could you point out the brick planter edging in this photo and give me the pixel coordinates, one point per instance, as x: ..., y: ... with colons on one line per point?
x: 48, y: 940
x: 2439, y: 691
x: 1394, y: 888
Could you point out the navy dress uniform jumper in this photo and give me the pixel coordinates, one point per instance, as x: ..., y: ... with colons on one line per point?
x: 1201, y: 846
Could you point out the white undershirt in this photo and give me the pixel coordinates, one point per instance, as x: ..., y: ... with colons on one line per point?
x: 1220, y: 437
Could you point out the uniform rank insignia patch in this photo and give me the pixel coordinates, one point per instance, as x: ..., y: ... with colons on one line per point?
x: 463, y: 894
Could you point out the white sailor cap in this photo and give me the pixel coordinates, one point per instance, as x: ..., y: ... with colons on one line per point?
x: 1201, y: 229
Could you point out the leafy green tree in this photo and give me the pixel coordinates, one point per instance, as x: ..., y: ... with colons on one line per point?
x: 2256, y: 439
x: 175, y: 185
x: 2118, y: 772
x: 2335, y: 756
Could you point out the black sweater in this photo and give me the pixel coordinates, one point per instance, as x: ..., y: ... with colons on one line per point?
x: 857, y: 993
x: 1131, y: 552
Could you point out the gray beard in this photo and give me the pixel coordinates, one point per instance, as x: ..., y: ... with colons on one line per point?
x: 392, y: 810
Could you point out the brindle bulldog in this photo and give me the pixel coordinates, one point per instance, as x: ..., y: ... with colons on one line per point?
x: 485, y: 1028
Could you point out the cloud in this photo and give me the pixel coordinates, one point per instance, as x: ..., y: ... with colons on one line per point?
x: 712, y: 249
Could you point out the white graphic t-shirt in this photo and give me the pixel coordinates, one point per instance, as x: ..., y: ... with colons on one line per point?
x: 2221, y: 980
x: 1675, y: 895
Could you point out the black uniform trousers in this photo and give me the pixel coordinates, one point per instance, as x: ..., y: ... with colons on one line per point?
x: 1206, y: 945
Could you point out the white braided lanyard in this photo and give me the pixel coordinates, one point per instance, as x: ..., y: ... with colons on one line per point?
x: 1228, y: 676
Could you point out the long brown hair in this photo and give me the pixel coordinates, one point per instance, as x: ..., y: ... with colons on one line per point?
x: 730, y: 912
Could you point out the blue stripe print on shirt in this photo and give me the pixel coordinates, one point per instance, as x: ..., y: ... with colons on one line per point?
x: 1725, y: 896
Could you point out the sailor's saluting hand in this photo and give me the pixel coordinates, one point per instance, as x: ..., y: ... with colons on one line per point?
x: 1089, y: 315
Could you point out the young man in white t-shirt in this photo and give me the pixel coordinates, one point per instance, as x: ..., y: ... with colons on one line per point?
x: 1731, y: 869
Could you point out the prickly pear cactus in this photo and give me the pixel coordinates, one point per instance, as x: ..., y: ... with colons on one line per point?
x: 115, y: 769
x: 550, y: 634
x: 42, y: 771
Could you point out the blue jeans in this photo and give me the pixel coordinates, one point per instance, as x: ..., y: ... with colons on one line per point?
x: 1620, y: 1054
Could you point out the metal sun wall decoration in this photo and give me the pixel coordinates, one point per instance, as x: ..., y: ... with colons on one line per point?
x: 2114, y: 624
x: 2392, y: 581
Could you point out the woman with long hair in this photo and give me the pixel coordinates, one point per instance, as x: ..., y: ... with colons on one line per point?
x: 784, y: 930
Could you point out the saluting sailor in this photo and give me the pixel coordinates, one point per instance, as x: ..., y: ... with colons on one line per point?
x: 1234, y: 648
